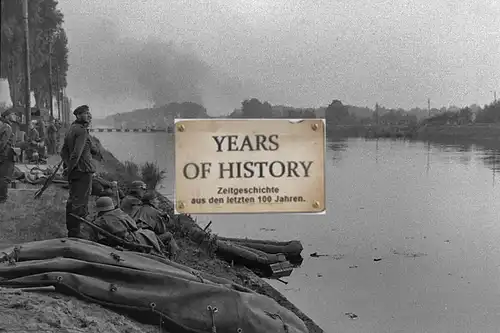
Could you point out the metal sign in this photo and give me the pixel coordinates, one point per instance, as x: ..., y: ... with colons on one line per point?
x: 249, y: 166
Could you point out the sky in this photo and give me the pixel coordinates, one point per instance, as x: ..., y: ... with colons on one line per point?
x: 131, y: 54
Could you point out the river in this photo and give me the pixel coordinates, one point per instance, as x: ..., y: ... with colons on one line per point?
x: 411, y: 233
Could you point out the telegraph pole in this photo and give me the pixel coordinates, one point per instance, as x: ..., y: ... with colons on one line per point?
x: 27, y: 76
x: 58, y: 97
x: 50, y: 80
x: 429, y: 106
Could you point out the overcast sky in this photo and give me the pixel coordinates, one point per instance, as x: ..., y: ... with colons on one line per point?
x: 130, y: 54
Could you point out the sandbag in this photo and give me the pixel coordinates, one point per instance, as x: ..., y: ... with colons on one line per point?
x: 149, y: 288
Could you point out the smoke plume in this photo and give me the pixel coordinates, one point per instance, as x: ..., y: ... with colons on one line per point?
x: 112, y: 67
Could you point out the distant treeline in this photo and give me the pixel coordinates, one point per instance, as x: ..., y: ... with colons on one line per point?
x: 336, y: 113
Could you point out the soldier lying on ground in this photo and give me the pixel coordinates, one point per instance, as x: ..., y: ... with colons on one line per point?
x: 120, y: 224
x: 154, y: 219
x: 148, y: 216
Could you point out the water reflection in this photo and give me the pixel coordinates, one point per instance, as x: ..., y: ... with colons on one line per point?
x: 464, y: 154
x: 435, y: 237
x: 491, y: 158
x: 337, y: 148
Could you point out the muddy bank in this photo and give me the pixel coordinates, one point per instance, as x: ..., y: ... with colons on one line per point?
x: 198, y: 254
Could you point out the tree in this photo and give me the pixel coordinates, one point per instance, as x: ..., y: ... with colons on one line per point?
x: 336, y: 113
x: 44, y: 21
x: 489, y: 114
x: 254, y: 108
x: 40, y: 76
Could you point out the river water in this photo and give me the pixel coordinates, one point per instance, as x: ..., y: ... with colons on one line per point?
x: 411, y: 233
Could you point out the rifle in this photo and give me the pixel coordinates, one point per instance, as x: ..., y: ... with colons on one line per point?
x: 48, y: 181
x: 120, y: 241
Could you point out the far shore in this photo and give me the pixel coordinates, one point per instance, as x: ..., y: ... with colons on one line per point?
x: 485, y: 135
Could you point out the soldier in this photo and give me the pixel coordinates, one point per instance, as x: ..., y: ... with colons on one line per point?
x: 103, y: 188
x: 31, y: 142
x: 133, y: 201
x: 77, y: 153
x: 148, y: 216
x: 121, y: 225
x: 7, y: 154
x: 41, y: 128
x: 51, y: 137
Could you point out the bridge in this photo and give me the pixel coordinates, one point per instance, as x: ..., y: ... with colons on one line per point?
x: 129, y: 130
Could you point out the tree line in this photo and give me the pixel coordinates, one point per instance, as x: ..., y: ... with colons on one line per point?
x: 337, y: 113
x: 47, y: 40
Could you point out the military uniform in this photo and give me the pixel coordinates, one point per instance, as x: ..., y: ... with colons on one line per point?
x: 103, y: 188
x: 51, y: 139
x: 31, y: 143
x: 77, y: 154
x: 118, y: 223
x: 133, y: 201
x: 6, y: 157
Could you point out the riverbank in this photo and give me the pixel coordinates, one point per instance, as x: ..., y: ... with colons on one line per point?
x: 24, y: 219
x: 486, y: 135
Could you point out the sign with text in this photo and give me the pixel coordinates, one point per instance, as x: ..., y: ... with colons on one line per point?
x: 249, y: 166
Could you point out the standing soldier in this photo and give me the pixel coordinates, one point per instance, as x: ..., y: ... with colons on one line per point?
x: 42, y: 132
x: 77, y: 154
x: 51, y: 137
x: 6, y: 153
x: 31, y: 142
x: 58, y: 126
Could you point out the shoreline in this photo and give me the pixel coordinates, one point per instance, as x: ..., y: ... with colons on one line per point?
x: 240, y: 275
x: 484, y: 135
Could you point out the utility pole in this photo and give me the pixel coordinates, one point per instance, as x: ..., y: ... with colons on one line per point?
x: 376, y: 113
x: 58, y: 97
x: 429, y: 106
x: 51, y: 101
x: 27, y: 74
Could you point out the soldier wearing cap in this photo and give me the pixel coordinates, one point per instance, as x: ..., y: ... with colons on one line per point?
x: 133, y: 201
x: 77, y: 153
x: 7, y: 154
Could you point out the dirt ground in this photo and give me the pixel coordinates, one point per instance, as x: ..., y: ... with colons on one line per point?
x: 51, y: 312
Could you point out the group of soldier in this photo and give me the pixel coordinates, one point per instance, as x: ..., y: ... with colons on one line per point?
x: 135, y: 220
x: 39, y: 140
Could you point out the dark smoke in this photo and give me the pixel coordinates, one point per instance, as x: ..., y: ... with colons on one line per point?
x: 111, y: 66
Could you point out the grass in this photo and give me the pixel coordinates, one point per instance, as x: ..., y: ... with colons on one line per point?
x: 25, y: 219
